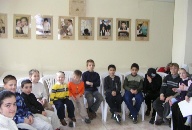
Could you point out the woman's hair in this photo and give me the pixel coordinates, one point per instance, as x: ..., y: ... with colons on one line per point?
x: 5, y: 94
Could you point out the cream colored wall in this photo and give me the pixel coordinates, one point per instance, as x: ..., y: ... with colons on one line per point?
x: 68, y: 55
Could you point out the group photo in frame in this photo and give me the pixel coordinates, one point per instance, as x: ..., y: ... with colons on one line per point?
x: 142, y: 30
x: 3, y: 25
x: 66, y: 27
x: 22, y: 26
x: 44, y: 27
x: 123, y: 29
x: 105, y: 29
x: 86, y: 28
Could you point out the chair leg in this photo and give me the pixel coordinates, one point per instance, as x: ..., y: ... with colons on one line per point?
x: 105, y: 111
x: 123, y: 110
x: 143, y: 110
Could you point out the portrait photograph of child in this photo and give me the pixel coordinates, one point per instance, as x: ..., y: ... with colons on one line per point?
x: 3, y: 25
x: 142, y: 30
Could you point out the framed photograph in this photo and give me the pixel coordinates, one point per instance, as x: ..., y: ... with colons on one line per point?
x: 3, y: 25
x: 86, y: 28
x: 105, y: 29
x: 142, y: 30
x: 44, y: 27
x: 66, y: 27
x: 77, y: 8
x: 22, y: 26
x: 123, y: 27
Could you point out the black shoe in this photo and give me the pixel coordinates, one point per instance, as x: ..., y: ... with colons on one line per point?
x: 118, y: 118
x: 135, y: 120
x: 130, y: 116
x: 71, y: 124
x: 152, y: 120
x: 147, y: 113
x: 87, y: 120
x: 159, y: 122
x: 113, y: 116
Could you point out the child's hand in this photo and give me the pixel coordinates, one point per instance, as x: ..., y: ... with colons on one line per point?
x: 174, y: 89
x: 113, y: 93
x: 182, y: 86
x: 27, y: 121
x: 149, y: 79
x: 187, y: 98
x: 132, y: 91
x: 31, y: 119
x: 170, y: 103
x: 89, y: 83
x: 78, y: 96
x: 168, y: 99
x: 162, y: 98
x: 44, y: 113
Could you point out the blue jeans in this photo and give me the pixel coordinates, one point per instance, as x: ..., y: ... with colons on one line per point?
x: 128, y: 99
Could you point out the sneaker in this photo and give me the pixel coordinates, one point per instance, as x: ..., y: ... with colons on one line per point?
x: 187, y: 123
x: 87, y: 120
x: 135, y: 120
x: 159, y: 122
x: 152, y: 120
x: 94, y: 114
x: 147, y: 113
x: 118, y: 118
x: 130, y: 116
x: 63, y: 122
x: 71, y: 124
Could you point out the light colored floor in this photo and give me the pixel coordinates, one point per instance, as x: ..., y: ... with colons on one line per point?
x: 97, y: 124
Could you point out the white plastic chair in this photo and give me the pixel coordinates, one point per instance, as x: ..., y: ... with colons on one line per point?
x: 105, y: 104
x: 163, y: 75
x: 142, y: 109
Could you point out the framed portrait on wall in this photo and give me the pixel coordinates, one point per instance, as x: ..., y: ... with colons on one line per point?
x: 123, y: 29
x: 66, y: 27
x: 44, y: 27
x: 3, y: 25
x: 142, y: 30
x: 105, y: 29
x: 86, y: 28
x: 77, y: 8
x: 22, y: 26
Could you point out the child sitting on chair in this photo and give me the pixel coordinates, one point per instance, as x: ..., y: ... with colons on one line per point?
x: 112, y: 87
x: 76, y: 91
x: 38, y: 89
x: 60, y: 96
x: 36, y: 107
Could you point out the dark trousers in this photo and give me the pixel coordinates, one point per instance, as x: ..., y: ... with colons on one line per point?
x: 128, y: 99
x: 114, y: 102
x: 148, y: 99
x: 178, y: 120
x: 59, y: 105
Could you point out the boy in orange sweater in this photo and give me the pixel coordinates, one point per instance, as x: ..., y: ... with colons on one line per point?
x: 76, y: 91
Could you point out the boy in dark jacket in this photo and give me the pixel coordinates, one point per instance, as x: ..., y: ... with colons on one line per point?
x: 151, y: 89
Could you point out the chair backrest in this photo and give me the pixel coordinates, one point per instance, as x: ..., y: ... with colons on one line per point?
x: 19, y: 83
x: 105, y: 75
x: 163, y: 75
x: 48, y: 81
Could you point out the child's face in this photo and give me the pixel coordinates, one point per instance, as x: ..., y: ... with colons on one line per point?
x: 27, y: 88
x: 174, y: 70
x: 24, y: 22
x: 123, y: 25
x: 18, y: 23
x: 134, y: 71
x: 112, y: 71
x: 90, y: 66
x: 182, y: 74
x: 8, y: 108
x: 76, y: 78
x: 35, y: 77
x: 60, y: 78
x: 11, y: 85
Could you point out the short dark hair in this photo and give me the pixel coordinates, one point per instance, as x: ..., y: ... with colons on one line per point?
x: 135, y: 65
x: 8, y: 78
x: 111, y: 66
x: 78, y: 73
x: 45, y: 19
x: 25, y: 81
x: 5, y: 94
